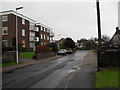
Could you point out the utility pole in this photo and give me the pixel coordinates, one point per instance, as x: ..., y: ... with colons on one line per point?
x: 99, y: 36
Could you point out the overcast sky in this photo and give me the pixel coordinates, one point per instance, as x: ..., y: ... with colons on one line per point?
x: 75, y: 19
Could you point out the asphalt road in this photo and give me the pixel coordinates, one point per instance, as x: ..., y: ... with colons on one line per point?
x: 55, y: 73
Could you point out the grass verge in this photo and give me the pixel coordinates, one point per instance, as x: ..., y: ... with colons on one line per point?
x: 9, y: 64
x: 107, y: 79
x: 26, y: 54
x: 94, y: 51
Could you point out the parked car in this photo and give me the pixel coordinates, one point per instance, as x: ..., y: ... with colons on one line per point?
x: 69, y: 51
x: 62, y: 52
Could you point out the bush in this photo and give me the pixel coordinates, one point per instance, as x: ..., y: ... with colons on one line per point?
x: 8, y: 49
x: 54, y: 47
x: 42, y: 48
x: 24, y: 49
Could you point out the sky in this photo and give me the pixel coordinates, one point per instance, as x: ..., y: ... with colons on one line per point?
x: 69, y: 18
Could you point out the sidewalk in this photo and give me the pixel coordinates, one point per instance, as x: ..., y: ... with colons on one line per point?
x: 25, y: 62
x: 83, y: 78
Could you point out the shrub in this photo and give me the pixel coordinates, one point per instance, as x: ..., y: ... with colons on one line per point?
x: 23, y: 49
x: 54, y: 47
x: 8, y: 49
x: 42, y: 48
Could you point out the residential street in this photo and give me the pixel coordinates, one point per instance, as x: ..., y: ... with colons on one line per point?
x: 57, y: 73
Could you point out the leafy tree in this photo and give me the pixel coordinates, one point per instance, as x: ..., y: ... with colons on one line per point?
x: 69, y: 43
x: 62, y: 44
x: 54, y: 47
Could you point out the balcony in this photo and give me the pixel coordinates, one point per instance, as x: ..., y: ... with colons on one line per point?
x: 34, y: 39
x: 51, y: 34
x: 33, y: 28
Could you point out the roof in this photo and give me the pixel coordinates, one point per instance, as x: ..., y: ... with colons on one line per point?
x: 18, y: 14
x: 25, y: 17
x: 40, y: 24
x: 117, y: 32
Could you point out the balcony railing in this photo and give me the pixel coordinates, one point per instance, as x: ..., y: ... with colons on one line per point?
x: 34, y: 39
x: 51, y: 34
x: 33, y: 28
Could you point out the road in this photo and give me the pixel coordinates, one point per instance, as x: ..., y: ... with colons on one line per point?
x: 55, y: 73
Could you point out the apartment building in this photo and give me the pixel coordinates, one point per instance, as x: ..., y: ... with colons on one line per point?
x: 30, y: 33
x: 43, y: 34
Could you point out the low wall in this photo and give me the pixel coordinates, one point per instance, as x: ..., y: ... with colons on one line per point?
x: 8, y: 56
x: 45, y: 55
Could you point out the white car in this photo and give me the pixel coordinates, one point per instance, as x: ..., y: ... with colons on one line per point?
x: 62, y: 52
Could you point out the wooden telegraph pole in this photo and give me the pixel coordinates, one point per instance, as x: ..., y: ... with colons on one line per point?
x: 99, y: 36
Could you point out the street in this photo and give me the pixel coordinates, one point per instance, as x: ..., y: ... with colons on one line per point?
x: 56, y: 73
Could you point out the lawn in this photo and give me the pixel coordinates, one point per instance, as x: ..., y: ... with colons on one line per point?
x: 107, y: 79
x: 26, y: 54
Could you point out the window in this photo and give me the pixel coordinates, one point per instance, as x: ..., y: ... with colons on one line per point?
x: 32, y: 45
x: 37, y: 29
x: 41, y: 28
x: 4, y: 31
x: 23, y: 32
x: 42, y: 43
x: 47, y: 37
x: 41, y: 36
x: 23, y: 21
x: 44, y: 36
x: 4, y: 18
x: 23, y: 43
x: 5, y: 43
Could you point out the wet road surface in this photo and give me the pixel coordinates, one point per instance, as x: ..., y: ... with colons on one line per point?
x: 55, y: 73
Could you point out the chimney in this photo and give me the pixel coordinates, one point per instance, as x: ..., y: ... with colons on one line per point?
x: 117, y: 28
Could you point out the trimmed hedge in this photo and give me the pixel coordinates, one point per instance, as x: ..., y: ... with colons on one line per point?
x: 110, y: 58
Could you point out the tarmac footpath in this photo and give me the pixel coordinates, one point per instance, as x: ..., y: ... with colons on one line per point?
x: 84, y: 77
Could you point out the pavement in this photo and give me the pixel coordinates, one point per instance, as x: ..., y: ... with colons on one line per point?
x: 25, y: 62
x: 84, y: 77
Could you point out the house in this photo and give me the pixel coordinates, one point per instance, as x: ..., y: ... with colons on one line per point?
x: 82, y: 43
x: 58, y: 42
x: 115, y: 40
x: 30, y: 33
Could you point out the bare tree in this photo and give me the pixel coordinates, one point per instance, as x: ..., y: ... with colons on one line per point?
x: 106, y: 38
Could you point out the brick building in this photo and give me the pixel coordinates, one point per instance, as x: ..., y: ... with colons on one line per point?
x: 30, y: 33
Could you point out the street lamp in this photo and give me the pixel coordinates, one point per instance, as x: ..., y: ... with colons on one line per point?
x: 17, y: 34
